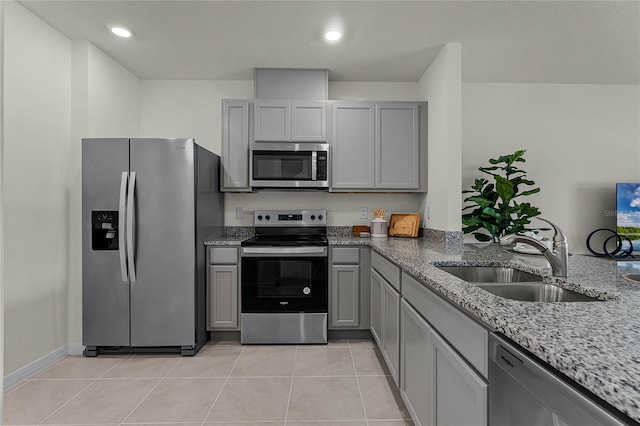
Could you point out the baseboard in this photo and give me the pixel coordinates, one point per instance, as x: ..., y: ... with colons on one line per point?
x: 40, y: 364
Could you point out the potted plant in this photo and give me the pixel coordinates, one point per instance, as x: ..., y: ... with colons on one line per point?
x: 493, y: 210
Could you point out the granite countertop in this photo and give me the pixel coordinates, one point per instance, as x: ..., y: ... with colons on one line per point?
x: 597, y: 344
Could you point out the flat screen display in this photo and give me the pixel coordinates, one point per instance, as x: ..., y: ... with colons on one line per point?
x: 628, y: 213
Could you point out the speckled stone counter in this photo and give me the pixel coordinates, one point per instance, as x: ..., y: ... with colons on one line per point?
x: 597, y: 344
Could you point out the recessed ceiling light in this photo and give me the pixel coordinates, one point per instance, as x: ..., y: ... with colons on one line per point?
x: 332, y: 35
x: 120, y: 31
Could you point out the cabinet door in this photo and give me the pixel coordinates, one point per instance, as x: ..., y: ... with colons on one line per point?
x: 460, y: 393
x: 345, y: 296
x: 391, y: 330
x: 223, y: 297
x: 397, y: 146
x: 235, y: 145
x: 352, y: 145
x: 377, y: 283
x: 416, y: 365
x: 272, y: 121
x: 308, y: 121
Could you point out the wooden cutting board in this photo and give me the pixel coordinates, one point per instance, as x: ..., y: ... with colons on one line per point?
x: 404, y: 225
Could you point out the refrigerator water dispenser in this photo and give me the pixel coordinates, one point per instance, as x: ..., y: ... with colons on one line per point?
x: 104, y: 230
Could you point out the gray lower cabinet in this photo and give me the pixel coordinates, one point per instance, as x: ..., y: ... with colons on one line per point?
x: 349, y: 288
x: 416, y: 365
x: 391, y: 330
x: 235, y: 145
x: 377, y: 283
x: 385, y: 311
x: 441, y: 384
x: 437, y: 385
x: 460, y: 393
x: 223, y: 289
x: 345, y: 295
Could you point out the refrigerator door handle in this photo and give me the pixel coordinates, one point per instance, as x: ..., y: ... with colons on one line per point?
x: 130, y: 229
x: 121, y: 227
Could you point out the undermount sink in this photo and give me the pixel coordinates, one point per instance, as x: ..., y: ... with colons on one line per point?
x: 535, y: 292
x: 490, y: 274
x: 514, y: 284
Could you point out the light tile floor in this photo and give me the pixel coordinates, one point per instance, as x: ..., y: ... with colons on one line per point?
x: 342, y: 384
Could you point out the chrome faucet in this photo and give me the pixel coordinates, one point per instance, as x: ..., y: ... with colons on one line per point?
x: 558, y: 255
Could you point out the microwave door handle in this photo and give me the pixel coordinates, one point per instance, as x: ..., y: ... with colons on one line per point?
x: 314, y: 165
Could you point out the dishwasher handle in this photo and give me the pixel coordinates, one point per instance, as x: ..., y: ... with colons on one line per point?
x: 556, y: 393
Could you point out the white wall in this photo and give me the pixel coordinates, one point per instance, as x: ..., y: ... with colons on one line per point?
x: 441, y: 86
x: 188, y: 109
x: 193, y: 109
x: 37, y: 102
x: 580, y: 140
x: 105, y: 103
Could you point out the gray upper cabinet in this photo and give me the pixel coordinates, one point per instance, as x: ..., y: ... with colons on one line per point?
x: 397, y: 144
x: 308, y: 121
x: 352, y: 145
x: 295, y: 121
x: 272, y: 120
x: 235, y: 145
x: 378, y: 146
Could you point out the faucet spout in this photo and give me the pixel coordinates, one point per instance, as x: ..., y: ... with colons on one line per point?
x: 557, y: 256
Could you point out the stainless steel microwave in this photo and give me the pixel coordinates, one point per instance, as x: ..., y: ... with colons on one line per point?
x: 289, y: 165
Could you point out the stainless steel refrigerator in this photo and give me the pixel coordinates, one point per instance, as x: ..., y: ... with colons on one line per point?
x: 147, y: 207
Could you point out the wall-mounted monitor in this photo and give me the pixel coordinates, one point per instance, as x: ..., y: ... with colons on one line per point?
x: 628, y: 214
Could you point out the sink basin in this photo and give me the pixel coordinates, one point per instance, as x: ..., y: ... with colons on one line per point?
x: 535, y: 292
x: 490, y: 274
x: 514, y: 284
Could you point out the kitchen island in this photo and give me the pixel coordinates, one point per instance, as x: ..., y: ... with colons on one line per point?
x: 596, y: 344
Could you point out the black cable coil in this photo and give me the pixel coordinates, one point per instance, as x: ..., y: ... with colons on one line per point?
x: 618, y: 252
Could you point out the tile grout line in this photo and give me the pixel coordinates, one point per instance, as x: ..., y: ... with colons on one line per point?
x: 222, y: 387
x: 293, y: 372
x: 355, y: 371
x: 83, y: 389
x: 149, y: 393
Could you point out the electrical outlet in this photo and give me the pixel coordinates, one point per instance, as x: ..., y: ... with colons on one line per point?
x: 364, y: 213
x: 239, y: 212
x: 428, y: 212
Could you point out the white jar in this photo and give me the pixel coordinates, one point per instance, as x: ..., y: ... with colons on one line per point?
x: 378, y: 228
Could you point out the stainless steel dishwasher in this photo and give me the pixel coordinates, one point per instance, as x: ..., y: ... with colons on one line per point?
x: 523, y: 392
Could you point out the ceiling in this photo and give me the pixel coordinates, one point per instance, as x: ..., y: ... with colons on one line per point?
x: 502, y: 41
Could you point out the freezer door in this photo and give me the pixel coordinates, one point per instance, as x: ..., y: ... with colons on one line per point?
x: 105, y: 295
x: 163, y: 295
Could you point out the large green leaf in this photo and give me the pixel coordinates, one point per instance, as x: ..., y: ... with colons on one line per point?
x: 504, y: 188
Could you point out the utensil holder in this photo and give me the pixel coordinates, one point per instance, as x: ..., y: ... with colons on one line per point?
x: 378, y: 228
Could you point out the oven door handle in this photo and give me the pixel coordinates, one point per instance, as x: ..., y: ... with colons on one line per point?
x: 283, y: 251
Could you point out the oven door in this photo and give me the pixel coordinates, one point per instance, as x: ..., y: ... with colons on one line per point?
x: 284, y: 279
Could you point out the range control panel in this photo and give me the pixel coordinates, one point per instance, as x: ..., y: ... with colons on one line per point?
x: 290, y: 218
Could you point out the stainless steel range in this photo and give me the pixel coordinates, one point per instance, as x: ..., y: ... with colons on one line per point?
x: 284, y: 278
